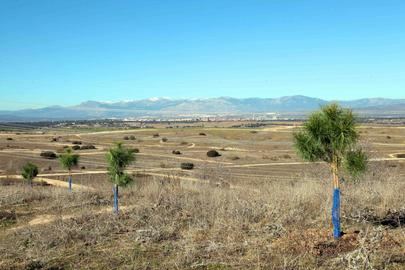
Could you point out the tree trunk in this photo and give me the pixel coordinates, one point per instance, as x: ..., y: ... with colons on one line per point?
x: 115, y: 190
x: 336, y: 204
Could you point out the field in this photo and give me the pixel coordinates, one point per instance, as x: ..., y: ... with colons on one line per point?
x: 257, y: 206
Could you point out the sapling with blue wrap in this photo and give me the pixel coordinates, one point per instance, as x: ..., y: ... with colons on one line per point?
x: 118, y: 159
x: 331, y: 135
x: 68, y: 160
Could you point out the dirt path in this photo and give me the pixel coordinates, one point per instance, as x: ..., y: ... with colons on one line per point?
x: 303, y: 163
x: 52, y: 182
x: 46, y: 219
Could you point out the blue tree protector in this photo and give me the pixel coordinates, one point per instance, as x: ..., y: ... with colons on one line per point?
x: 115, y: 191
x: 70, y: 183
x: 336, y: 213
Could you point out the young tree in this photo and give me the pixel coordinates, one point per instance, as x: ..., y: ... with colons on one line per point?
x: 118, y: 159
x: 29, y: 172
x: 330, y: 135
x: 68, y: 160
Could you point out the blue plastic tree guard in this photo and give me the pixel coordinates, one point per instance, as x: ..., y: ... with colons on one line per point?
x: 70, y: 183
x: 115, y: 190
x: 336, y: 213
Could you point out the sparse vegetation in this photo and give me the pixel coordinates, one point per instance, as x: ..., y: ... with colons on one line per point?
x: 29, y: 172
x: 118, y: 159
x: 48, y: 155
x: 76, y: 147
x: 225, y: 213
x: 213, y: 153
x: 87, y: 147
x: 187, y: 166
x: 68, y: 160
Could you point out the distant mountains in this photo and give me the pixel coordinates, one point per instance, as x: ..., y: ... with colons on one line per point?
x: 165, y: 107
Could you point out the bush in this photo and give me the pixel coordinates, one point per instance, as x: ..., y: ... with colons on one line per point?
x: 136, y: 150
x: 234, y: 158
x: 388, y: 137
x: 132, y: 138
x: 202, y: 134
x: 164, y: 139
x: 76, y: 147
x: 213, y: 153
x: 76, y: 142
x: 126, y: 138
x: 48, y: 155
x: 187, y: 166
x: 184, y: 143
x: 176, y: 152
x: 156, y: 135
x: 10, y: 139
x: 88, y: 147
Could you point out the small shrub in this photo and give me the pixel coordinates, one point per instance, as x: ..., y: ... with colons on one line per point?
x: 83, y: 167
x: 184, y: 143
x: 213, y: 153
x: 156, y: 135
x: 176, y: 152
x: 126, y: 138
x: 400, y: 155
x: 48, y: 155
x: 76, y: 142
x: 76, y: 147
x: 187, y: 166
x: 234, y: 158
x: 388, y: 137
x: 10, y: 139
x: 132, y: 138
x: 202, y: 134
x: 135, y: 150
x: 286, y: 156
x: 88, y: 147
x: 253, y: 131
x: 164, y: 139
x: 163, y: 165
x: 54, y: 139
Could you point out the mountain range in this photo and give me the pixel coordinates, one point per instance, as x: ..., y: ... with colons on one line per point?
x: 166, y: 107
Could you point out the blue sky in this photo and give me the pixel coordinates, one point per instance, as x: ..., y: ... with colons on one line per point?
x: 65, y: 52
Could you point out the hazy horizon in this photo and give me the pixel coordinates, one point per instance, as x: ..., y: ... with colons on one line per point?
x: 193, y: 99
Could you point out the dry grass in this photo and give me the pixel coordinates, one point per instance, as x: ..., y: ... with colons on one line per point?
x: 169, y: 225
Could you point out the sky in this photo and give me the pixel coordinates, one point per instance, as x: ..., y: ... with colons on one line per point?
x: 55, y: 52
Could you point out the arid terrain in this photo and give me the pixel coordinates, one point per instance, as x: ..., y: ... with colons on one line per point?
x: 256, y: 206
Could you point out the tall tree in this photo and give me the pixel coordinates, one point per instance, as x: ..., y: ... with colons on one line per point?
x: 118, y: 159
x: 68, y: 160
x: 330, y: 135
x: 29, y: 172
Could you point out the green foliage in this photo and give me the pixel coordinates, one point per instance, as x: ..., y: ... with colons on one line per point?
x: 330, y: 135
x: 29, y: 171
x: 356, y: 162
x: 118, y: 159
x: 68, y: 160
